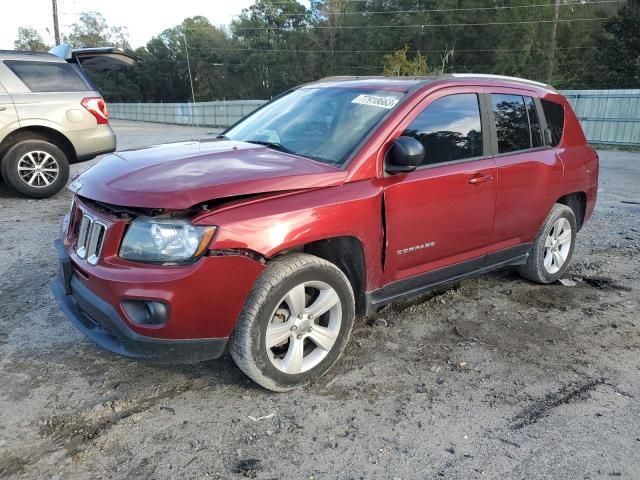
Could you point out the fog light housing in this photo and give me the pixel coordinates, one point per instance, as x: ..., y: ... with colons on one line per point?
x: 148, y: 313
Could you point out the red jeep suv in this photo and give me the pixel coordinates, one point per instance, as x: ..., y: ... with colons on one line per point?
x: 330, y: 201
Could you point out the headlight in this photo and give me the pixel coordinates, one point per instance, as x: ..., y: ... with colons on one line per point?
x: 164, y: 240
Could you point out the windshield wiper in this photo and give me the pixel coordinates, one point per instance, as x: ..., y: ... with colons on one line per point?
x: 223, y: 137
x: 274, y: 145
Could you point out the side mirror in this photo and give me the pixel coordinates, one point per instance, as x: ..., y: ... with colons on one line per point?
x: 405, y: 155
x: 548, y: 138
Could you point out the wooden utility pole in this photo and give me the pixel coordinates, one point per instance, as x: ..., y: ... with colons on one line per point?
x: 552, y: 43
x: 56, y: 28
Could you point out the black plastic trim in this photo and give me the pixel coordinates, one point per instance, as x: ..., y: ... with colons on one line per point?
x: 428, y: 281
x: 508, y: 254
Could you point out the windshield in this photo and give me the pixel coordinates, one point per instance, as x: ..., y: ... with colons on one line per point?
x: 324, y: 124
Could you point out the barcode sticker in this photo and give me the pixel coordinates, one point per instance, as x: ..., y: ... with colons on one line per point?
x: 376, y: 101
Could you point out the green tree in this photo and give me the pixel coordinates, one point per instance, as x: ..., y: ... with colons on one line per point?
x: 277, y: 44
x: 91, y: 30
x: 213, y: 58
x: 619, y: 48
x: 30, y: 39
x: 211, y: 55
x: 271, y: 35
x: 397, y: 64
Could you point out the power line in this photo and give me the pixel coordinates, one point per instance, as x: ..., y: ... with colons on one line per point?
x: 429, y: 10
x: 461, y: 9
x: 359, y: 67
x: 421, y: 26
x: 345, y: 1
x: 296, y: 50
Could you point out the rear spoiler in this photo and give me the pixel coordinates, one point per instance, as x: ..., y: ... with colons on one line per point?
x: 100, y: 58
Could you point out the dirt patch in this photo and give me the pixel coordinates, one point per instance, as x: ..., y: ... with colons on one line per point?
x: 247, y: 467
x: 604, y: 283
x: 11, y: 465
x: 74, y: 430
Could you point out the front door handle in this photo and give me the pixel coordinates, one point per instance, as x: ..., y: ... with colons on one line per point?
x: 2, y: 109
x: 480, y: 178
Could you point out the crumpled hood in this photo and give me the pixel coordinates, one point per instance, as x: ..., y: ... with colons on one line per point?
x: 180, y: 175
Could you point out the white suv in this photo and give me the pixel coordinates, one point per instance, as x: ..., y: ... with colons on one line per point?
x: 51, y: 115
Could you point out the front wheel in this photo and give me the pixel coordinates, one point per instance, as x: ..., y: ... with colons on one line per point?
x: 553, y: 247
x: 295, y: 324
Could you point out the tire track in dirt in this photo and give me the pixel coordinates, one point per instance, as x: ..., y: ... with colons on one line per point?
x: 543, y: 407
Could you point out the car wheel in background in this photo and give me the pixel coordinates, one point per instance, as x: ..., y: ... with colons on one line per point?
x: 35, y: 168
x: 295, y: 324
x: 553, y: 247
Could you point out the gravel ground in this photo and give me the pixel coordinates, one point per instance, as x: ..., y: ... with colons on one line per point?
x: 492, y: 378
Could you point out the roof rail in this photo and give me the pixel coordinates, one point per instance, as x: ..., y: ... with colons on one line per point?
x: 499, y: 77
x: 422, y: 80
x: 23, y: 52
x: 372, y: 77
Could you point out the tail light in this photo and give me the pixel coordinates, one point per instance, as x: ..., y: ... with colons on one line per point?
x: 98, y: 108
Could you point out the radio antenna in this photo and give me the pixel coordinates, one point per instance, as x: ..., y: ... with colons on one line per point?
x: 194, y: 118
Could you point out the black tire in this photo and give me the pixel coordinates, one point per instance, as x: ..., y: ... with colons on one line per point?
x: 248, y: 344
x: 12, y: 176
x: 535, y: 269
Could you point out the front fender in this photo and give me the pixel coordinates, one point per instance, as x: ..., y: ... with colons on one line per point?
x: 285, y: 222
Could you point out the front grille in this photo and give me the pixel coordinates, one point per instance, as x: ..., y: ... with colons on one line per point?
x: 90, y: 239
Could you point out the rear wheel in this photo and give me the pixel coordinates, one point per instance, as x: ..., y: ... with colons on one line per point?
x: 295, y: 324
x: 553, y: 247
x: 35, y: 168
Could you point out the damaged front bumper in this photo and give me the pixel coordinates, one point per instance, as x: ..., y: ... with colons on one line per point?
x: 187, y: 335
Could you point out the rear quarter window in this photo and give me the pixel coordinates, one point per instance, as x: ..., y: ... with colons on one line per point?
x: 42, y: 77
x: 554, y: 113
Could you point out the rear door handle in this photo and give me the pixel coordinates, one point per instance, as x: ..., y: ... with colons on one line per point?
x: 480, y: 178
x: 2, y: 109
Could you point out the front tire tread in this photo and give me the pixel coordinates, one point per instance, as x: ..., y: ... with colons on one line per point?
x: 242, y: 343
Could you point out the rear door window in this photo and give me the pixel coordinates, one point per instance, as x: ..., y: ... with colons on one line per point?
x: 554, y: 114
x: 512, y: 122
x: 449, y: 128
x: 42, y: 77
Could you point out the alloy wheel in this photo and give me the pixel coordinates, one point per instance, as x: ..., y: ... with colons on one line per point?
x: 557, y: 245
x: 304, y: 327
x: 38, y: 169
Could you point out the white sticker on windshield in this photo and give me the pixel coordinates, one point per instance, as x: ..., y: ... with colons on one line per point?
x: 376, y: 101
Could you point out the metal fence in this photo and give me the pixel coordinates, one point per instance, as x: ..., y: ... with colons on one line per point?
x: 210, y: 114
x: 607, y: 116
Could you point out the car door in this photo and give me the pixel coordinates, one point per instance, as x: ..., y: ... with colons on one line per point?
x: 530, y: 174
x: 8, y: 115
x: 441, y: 214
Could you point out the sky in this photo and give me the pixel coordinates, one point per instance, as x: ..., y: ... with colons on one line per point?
x: 143, y: 18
